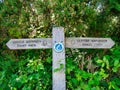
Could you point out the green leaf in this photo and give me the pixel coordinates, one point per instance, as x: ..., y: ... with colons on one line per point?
x: 99, y: 61
x: 74, y: 80
x: 91, y: 82
x: 117, y: 6
x: 116, y: 62
x: 49, y: 60
x: 107, y: 57
x: 107, y: 64
x: 69, y: 77
x: 95, y: 88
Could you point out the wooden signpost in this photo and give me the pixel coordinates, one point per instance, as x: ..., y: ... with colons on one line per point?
x: 58, y: 43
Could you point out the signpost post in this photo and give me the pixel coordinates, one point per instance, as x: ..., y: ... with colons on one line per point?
x: 58, y: 64
x: 58, y: 43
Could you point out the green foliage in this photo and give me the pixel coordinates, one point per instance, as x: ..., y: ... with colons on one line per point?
x: 26, y: 74
x: 85, y: 69
x: 115, y: 4
x: 105, y: 77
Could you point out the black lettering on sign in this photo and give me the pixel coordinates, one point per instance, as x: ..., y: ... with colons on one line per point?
x: 99, y: 40
x: 98, y: 44
x: 33, y: 41
x: 86, y: 44
x: 31, y: 45
x: 83, y: 40
x: 102, y: 41
x: 15, y: 42
x: 93, y: 40
x: 21, y: 45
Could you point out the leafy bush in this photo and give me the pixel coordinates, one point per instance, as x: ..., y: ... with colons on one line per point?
x: 105, y: 75
x: 26, y: 74
x: 86, y: 69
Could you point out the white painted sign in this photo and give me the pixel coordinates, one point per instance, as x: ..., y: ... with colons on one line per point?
x: 89, y: 43
x: 30, y: 43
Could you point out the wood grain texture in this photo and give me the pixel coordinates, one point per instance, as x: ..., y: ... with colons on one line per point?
x: 46, y: 43
x: 89, y: 43
x: 58, y: 64
x: 36, y: 43
x: 59, y: 78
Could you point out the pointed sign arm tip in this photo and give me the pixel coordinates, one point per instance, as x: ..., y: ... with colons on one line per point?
x: 113, y: 43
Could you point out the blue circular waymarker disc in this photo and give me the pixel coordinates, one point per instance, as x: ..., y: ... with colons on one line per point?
x: 58, y: 47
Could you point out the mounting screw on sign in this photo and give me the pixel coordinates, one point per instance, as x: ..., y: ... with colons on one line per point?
x: 58, y: 47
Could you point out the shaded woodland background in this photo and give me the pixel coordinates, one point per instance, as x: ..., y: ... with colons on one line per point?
x: 86, y: 69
